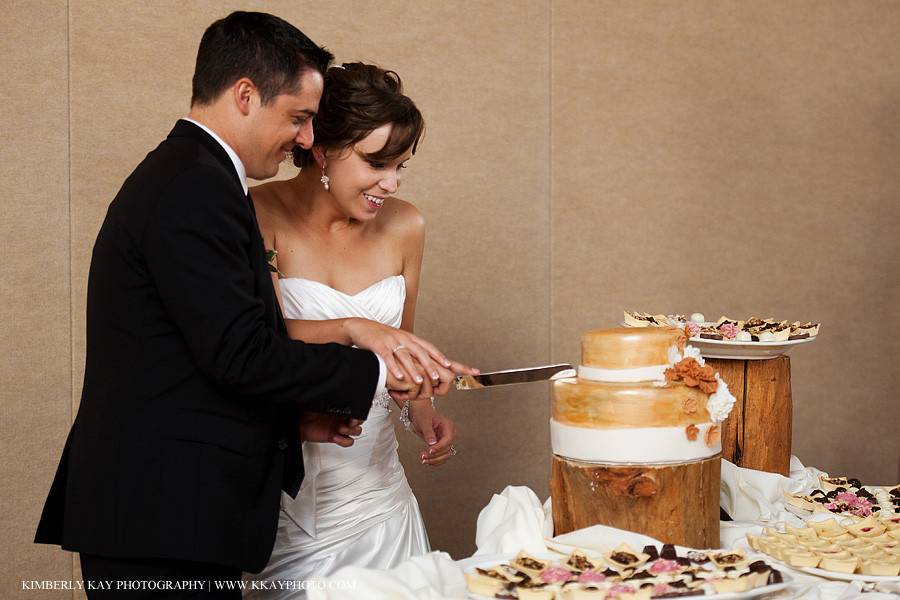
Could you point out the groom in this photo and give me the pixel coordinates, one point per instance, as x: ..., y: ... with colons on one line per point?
x: 188, y: 425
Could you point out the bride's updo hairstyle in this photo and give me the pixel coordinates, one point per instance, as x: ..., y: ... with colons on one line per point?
x: 356, y: 100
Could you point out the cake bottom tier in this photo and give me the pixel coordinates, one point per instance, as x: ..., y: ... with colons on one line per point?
x: 675, y: 503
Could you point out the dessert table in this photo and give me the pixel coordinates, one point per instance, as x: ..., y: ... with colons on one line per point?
x: 515, y: 520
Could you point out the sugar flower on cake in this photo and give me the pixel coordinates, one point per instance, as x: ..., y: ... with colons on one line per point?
x: 693, y: 374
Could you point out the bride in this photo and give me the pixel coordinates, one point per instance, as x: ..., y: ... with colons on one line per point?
x: 348, y: 258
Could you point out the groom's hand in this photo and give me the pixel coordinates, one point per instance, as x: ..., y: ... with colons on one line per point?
x: 325, y: 428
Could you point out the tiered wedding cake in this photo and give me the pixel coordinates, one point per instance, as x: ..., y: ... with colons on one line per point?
x: 641, y: 396
x: 636, y: 437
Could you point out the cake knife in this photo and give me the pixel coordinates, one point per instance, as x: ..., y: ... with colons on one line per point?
x: 494, y: 378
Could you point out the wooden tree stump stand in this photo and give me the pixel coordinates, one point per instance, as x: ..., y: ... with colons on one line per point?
x: 757, y: 433
x: 677, y: 504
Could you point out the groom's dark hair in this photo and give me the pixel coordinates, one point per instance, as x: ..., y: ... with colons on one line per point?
x: 269, y: 51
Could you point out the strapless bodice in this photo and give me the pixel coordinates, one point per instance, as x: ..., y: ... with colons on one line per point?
x: 313, y: 300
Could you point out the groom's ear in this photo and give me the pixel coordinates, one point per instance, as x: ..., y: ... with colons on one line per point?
x: 243, y: 91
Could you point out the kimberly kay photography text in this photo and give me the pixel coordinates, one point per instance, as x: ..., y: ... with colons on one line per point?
x: 211, y: 585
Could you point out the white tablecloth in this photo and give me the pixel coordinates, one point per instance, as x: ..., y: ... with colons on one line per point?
x: 515, y: 520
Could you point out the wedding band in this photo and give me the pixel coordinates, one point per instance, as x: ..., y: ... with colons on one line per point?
x: 400, y: 347
x: 453, y: 451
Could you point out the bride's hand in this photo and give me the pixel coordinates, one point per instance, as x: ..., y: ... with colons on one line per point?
x: 437, y: 430
x: 408, y: 356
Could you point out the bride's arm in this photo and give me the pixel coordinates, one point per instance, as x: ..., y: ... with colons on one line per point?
x: 437, y: 430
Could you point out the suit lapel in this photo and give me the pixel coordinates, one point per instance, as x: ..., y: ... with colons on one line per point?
x: 263, y: 280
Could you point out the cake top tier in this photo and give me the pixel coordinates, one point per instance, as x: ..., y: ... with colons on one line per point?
x: 629, y: 347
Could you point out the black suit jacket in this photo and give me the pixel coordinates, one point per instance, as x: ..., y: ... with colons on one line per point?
x: 187, y: 428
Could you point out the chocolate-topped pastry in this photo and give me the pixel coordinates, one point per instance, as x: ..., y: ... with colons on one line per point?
x: 651, y: 551
x: 758, y: 566
x: 610, y: 573
x: 855, y: 483
x: 492, y: 573
x: 640, y: 575
x: 774, y: 577
x: 863, y: 493
x: 623, y: 558
x: 668, y: 552
x: 711, y: 333
x: 684, y: 562
x: 578, y: 562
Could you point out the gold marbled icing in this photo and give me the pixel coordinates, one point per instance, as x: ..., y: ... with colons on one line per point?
x: 585, y: 403
x: 628, y: 347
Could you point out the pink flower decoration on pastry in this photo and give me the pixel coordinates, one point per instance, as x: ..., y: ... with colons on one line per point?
x: 692, y: 329
x: 729, y: 330
x: 664, y: 566
x: 621, y: 588
x: 591, y: 576
x: 556, y: 575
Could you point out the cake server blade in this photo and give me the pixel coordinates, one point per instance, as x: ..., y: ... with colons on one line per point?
x: 545, y: 373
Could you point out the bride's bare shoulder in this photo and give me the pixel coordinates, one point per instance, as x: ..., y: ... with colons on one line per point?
x: 268, y: 200
x: 402, y: 218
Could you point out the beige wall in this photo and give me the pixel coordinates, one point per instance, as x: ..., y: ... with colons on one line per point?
x: 581, y: 158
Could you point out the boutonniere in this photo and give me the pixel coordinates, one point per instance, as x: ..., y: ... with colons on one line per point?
x: 271, y: 257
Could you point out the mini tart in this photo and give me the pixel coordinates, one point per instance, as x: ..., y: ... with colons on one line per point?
x: 728, y: 585
x: 782, y: 332
x: 839, y: 555
x: 485, y: 585
x: 529, y: 565
x: 830, y: 484
x: 802, y: 533
x: 840, y: 565
x: 801, y: 502
x: 753, y: 541
x: 624, y: 557
x: 826, y: 526
x: 802, y: 559
x: 638, y: 319
x: 882, y: 567
x: 536, y: 593
x: 733, y: 558
x: 866, y: 553
x: 578, y: 562
x: 590, y: 592
x: 823, y: 545
x: 868, y: 527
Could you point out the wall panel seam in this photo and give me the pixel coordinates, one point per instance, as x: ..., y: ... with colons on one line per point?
x: 550, y: 253
x: 71, y: 237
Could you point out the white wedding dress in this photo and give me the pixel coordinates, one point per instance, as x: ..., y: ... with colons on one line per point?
x: 355, y: 506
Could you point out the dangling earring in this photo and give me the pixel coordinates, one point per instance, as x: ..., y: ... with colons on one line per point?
x: 324, y: 179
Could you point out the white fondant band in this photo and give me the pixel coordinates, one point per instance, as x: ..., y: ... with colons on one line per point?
x: 651, y: 373
x: 644, y: 445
